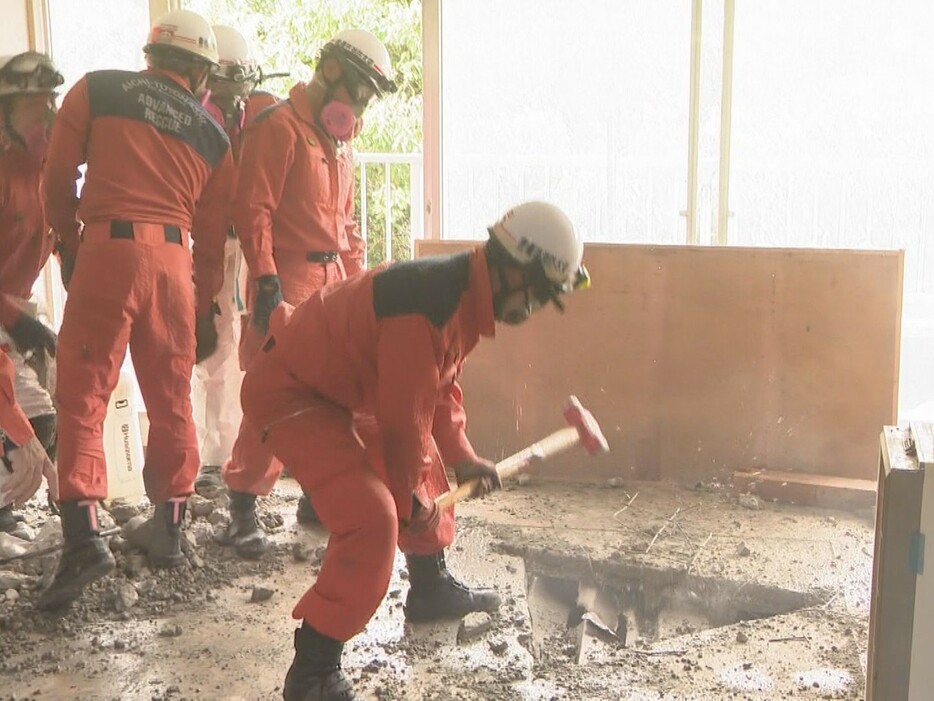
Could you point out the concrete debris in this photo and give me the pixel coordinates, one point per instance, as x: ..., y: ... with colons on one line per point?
x: 300, y: 552
x: 170, y: 630
x: 136, y: 532
x: 750, y: 501
x: 11, y: 546
x: 472, y: 626
x: 498, y: 646
x: 11, y: 595
x: 260, y: 594
x: 13, y: 580
x: 199, y: 506
x: 741, y: 637
x: 742, y: 550
x: 23, y: 532
x: 123, y: 511
x: 125, y: 597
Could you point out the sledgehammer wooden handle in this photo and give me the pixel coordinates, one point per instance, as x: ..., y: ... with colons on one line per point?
x: 582, y: 429
x: 553, y: 444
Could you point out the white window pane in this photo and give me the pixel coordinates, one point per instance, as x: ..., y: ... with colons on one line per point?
x: 833, y: 145
x: 97, y: 34
x: 584, y: 104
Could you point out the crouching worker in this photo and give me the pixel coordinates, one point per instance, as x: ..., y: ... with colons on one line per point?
x: 357, y: 392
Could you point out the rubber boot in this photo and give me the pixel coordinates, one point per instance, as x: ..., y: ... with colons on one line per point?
x: 305, y: 513
x: 85, y: 557
x: 209, y: 482
x: 165, y: 534
x: 244, y: 532
x: 315, y: 674
x: 435, y: 595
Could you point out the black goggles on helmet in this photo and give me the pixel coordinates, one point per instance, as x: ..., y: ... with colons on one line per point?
x: 236, y: 74
x: 19, y: 72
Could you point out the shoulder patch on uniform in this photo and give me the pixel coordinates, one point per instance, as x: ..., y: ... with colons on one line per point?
x: 432, y: 287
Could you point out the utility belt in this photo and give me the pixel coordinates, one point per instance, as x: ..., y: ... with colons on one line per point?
x: 135, y: 231
x: 323, y: 257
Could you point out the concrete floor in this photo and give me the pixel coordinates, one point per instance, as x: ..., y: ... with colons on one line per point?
x: 715, y: 600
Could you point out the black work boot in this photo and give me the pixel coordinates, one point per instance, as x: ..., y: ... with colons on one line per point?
x: 85, y: 557
x: 315, y: 674
x: 244, y: 532
x: 165, y: 531
x: 209, y: 482
x: 305, y: 513
x: 435, y: 595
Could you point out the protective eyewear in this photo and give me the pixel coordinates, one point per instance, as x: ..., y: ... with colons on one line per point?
x: 31, y: 71
x: 235, y: 74
x: 359, y: 87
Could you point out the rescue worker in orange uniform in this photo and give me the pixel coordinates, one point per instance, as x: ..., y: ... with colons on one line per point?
x: 294, y: 214
x: 357, y: 393
x: 23, y: 459
x: 216, y: 388
x: 153, y: 152
x: 28, y: 82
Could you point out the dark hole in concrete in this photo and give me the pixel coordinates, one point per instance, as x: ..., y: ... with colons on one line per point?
x: 576, y: 598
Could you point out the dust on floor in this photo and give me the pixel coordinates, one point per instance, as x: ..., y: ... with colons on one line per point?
x: 619, y: 591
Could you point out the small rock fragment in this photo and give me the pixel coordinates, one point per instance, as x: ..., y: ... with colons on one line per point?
x: 742, y: 550
x: 473, y: 625
x: 260, y: 594
x: 199, y: 506
x: 741, y: 637
x: 750, y: 501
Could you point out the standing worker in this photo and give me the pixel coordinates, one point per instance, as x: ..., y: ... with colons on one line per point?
x: 294, y: 214
x: 389, y: 345
x: 234, y: 102
x: 28, y: 82
x: 153, y: 152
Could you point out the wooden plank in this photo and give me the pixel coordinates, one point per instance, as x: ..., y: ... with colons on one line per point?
x: 893, y: 582
x: 701, y: 361
x: 922, y: 433
x: 808, y: 490
x: 922, y: 671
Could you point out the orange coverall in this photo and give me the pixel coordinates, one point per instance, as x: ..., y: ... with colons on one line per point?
x: 357, y: 393
x: 13, y: 421
x: 294, y: 214
x: 152, y: 153
x: 25, y: 241
x: 216, y: 389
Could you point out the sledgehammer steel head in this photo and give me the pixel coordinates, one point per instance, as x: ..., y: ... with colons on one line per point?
x: 591, y: 437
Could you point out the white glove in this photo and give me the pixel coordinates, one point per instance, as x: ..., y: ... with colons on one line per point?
x: 30, y: 462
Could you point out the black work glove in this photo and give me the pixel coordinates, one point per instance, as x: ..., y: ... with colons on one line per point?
x: 30, y: 334
x: 481, y: 470
x: 206, y: 334
x: 268, y: 297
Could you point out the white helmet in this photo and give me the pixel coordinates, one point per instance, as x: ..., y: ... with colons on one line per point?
x: 367, y: 54
x: 185, y: 31
x: 28, y: 73
x: 234, y: 57
x: 540, y: 237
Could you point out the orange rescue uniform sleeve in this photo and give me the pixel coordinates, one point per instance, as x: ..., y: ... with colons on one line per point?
x: 408, y: 359
x: 9, y: 309
x: 450, y: 427
x: 13, y: 421
x: 353, y: 259
x: 209, y: 233
x: 67, y: 150
x: 267, y: 156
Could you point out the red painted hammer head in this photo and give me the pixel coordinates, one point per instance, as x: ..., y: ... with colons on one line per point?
x: 591, y: 437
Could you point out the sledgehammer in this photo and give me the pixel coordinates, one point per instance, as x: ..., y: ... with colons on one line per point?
x: 582, y: 428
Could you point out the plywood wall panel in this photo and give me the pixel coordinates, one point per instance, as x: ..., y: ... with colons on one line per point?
x: 700, y: 361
